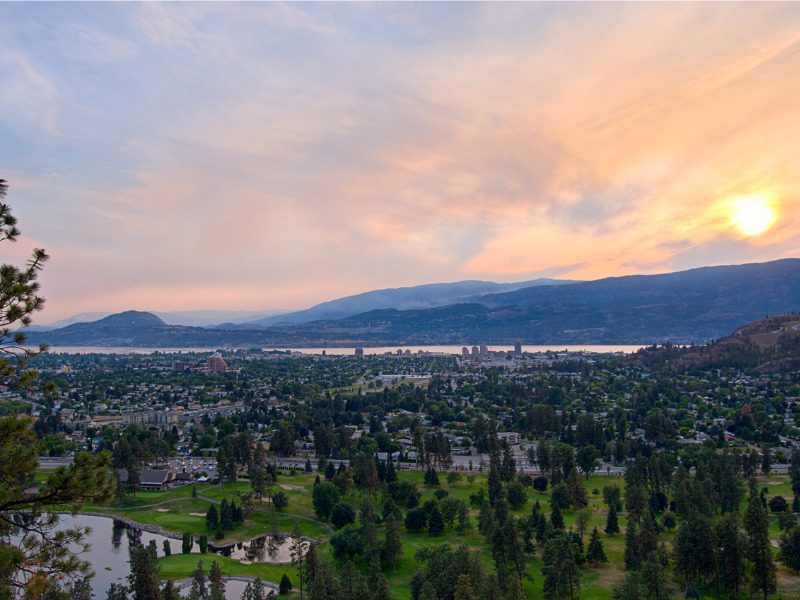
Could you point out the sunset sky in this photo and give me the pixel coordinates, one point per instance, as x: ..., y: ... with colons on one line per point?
x: 263, y: 156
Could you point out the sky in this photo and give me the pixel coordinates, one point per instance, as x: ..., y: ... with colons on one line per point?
x: 272, y: 156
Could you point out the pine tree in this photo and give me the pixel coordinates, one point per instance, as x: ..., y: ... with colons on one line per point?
x: 285, y: 585
x: 653, y: 578
x: 561, y: 574
x: 756, y: 524
x: 212, y: 519
x: 594, y: 552
x: 612, y: 524
x: 391, y: 473
x: 216, y: 588
x: 143, y: 580
x: 556, y: 519
x: 729, y: 554
x: 199, y: 588
x: 187, y: 543
x: 392, y: 546
x: 435, y: 522
x: 631, y: 546
x: 794, y: 477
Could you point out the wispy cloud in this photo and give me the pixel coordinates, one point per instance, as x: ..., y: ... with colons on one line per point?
x: 181, y: 155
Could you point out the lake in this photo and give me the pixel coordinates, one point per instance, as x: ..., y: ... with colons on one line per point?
x: 109, y: 554
x: 347, y: 351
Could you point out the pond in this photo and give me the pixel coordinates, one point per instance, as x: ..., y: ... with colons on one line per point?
x: 109, y: 551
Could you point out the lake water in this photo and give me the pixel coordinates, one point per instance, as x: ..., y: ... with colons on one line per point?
x: 109, y: 552
x: 347, y: 351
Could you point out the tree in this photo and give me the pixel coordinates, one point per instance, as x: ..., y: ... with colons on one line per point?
x: 595, y: 554
x: 19, y: 299
x: 257, y: 470
x: 342, y: 514
x: 167, y: 548
x: 653, y: 577
x: 729, y: 554
x: 324, y: 496
x: 789, y: 553
x: 280, y: 501
x: 186, y: 543
x: 794, y: 478
x: 143, y: 579
x: 416, y: 519
x: 31, y: 518
x: 255, y: 590
x: 216, y: 587
x: 297, y: 552
x: 778, y: 504
x: 285, y: 586
x: 561, y: 575
x: 392, y: 546
x: 212, y: 519
x: 587, y: 459
x: 556, y: 519
x: 117, y: 591
x: 612, y: 524
x: 435, y: 522
x: 199, y: 587
x: 756, y: 524
x: 431, y: 477
x: 515, y: 494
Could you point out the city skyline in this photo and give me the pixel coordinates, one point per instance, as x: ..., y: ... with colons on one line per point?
x: 273, y: 156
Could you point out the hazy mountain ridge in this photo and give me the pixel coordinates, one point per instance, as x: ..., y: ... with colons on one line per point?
x: 418, y: 297
x: 684, y: 307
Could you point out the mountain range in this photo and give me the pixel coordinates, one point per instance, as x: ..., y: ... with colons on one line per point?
x: 692, y: 306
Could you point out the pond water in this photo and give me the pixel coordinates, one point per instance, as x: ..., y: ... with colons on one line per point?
x: 110, y: 541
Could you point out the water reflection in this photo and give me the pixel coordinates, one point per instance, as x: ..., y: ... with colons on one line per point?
x: 265, y: 549
x: 109, y: 557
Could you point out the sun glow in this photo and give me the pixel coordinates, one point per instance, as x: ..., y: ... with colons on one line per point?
x: 752, y: 215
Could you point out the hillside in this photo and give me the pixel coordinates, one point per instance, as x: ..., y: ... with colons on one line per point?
x: 683, y: 307
x: 693, y: 306
x: 771, y: 344
x: 418, y: 297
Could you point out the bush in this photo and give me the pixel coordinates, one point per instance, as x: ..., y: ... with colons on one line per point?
x: 280, y: 501
x: 540, y: 484
x: 778, y: 504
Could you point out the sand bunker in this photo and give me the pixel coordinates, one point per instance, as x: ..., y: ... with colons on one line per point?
x: 162, y: 510
x: 197, y: 514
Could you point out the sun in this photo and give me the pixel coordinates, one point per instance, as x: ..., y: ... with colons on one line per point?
x: 752, y: 215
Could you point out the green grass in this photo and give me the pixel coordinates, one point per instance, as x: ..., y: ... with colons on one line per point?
x: 596, y: 583
x: 181, y: 566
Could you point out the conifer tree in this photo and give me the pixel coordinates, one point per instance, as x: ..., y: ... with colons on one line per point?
x: 595, y: 553
x: 756, y: 524
x: 612, y: 524
x: 216, y: 587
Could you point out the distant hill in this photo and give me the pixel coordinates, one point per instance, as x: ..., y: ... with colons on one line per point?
x: 771, y: 344
x: 194, y: 318
x: 693, y: 306
x: 406, y: 298
x: 689, y: 306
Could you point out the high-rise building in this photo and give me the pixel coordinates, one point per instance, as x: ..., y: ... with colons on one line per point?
x: 359, y: 352
x: 464, y: 351
x: 475, y: 351
x: 518, y: 348
x: 216, y: 364
x: 484, y: 350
